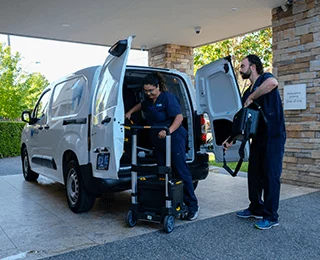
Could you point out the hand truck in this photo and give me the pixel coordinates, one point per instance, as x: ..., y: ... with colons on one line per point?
x: 158, y: 199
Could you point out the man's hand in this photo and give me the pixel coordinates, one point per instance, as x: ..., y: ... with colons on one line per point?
x: 226, y: 144
x: 248, y: 102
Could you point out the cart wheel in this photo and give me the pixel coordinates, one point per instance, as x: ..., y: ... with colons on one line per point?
x: 168, y: 223
x: 131, y: 221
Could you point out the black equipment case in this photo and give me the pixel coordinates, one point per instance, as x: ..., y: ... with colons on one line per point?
x: 245, y: 123
x: 244, y: 126
x: 159, y: 198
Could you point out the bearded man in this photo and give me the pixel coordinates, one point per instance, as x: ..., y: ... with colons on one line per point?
x: 267, y: 147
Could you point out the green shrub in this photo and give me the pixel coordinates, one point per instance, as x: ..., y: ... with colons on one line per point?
x: 10, y: 136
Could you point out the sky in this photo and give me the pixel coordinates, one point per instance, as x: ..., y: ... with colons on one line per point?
x: 56, y: 59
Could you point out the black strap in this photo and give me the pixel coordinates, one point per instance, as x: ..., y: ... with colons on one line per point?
x: 261, y: 112
x: 241, y: 154
x: 240, y: 151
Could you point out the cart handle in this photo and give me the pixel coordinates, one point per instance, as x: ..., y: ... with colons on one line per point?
x: 138, y: 127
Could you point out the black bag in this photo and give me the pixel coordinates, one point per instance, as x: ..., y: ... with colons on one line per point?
x: 244, y: 126
x: 245, y: 123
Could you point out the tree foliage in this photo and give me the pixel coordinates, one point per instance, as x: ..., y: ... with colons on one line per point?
x: 259, y: 43
x: 18, y: 90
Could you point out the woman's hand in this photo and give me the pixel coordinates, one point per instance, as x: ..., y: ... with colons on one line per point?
x: 162, y: 134
x: 127, y: 115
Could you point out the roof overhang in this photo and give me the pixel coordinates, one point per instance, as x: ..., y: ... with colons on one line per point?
x: 154, y: 23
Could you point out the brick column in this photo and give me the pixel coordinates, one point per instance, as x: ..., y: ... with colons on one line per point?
x: 173, y: 57
x: 296, y: 60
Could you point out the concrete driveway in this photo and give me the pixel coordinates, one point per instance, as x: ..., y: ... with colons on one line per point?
x: 35, y: 221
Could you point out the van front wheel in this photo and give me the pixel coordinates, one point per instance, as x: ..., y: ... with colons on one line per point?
x: 28, y: 174
x: 79, y: 200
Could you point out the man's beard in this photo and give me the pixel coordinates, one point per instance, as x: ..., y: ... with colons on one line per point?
x: 247, y: 74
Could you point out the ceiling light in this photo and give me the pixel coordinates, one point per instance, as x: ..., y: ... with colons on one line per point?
x: 143, y: 47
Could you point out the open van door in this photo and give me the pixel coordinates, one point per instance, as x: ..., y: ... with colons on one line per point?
x: 218, y: 95
x: 107, y: 130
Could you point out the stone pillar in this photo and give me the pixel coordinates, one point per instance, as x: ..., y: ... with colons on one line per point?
x: 296, y: 60
x: 172, y: 56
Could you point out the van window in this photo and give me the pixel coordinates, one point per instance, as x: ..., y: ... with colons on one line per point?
x: 41, y: 109
x: 106, y: 97
x: 68, y: 97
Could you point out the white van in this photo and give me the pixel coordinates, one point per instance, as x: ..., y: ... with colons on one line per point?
x: 76, y: 135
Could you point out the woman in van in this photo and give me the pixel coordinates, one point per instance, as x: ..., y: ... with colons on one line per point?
x: 162, y: 108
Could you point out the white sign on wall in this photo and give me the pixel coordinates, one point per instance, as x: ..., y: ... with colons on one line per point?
x: 294, y: 97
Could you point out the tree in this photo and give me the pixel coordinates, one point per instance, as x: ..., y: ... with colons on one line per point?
x: 18, y: 91
x: 259, y: 43
x: 32, y: 86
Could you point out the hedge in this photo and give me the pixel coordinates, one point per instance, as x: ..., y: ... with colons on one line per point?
x: 10, y: 138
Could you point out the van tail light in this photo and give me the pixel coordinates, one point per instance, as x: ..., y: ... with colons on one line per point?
x: 204, y: 130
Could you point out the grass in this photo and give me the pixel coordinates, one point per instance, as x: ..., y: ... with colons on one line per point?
x: 232, y: 165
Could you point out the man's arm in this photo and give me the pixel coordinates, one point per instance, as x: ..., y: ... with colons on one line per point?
x: 267, y: 86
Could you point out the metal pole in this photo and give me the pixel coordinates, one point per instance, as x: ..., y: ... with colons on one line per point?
x: 134, y: 177
x: 9, y: 43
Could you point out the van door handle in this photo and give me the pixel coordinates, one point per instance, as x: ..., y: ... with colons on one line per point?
x: 107, y: 119
x: 46, y: 127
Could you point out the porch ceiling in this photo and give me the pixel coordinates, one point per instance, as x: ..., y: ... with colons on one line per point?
x: 154, y: 23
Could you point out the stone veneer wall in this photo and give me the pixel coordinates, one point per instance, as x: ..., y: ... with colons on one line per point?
x: 173, y: 57
x: 296, y: 60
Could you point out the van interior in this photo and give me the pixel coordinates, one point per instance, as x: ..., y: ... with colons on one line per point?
x: 133, y: 94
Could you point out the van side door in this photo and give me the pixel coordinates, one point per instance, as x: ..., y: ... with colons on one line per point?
x: 67, y: 129
x: 107, y: 130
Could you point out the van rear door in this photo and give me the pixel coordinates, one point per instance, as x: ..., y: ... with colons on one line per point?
x: 218, y: 95
x: 107, y: 130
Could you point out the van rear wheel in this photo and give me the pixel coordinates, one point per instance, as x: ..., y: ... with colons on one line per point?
x: 79, y: 200
x: 28, y: 174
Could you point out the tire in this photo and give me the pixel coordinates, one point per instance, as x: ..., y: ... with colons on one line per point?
x: 79, y: 200
x: 195, y: 185
x: 168, y: 223
x: 28, y: 174
x: 131, y: 220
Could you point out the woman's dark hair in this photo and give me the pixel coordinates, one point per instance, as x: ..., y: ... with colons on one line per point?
x: 156, y: 79
x: 254, y: 59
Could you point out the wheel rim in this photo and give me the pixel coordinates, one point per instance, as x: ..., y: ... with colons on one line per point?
x: 169, y: 223
x: 25, y: 164
x: 131, y: 218
x: 73, y: 186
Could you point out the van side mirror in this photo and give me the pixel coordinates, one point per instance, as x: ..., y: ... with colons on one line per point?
x: 26, y: 116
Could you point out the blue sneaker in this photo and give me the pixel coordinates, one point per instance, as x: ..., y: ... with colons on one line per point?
x: 266, y: 224
x: 247, y: 214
